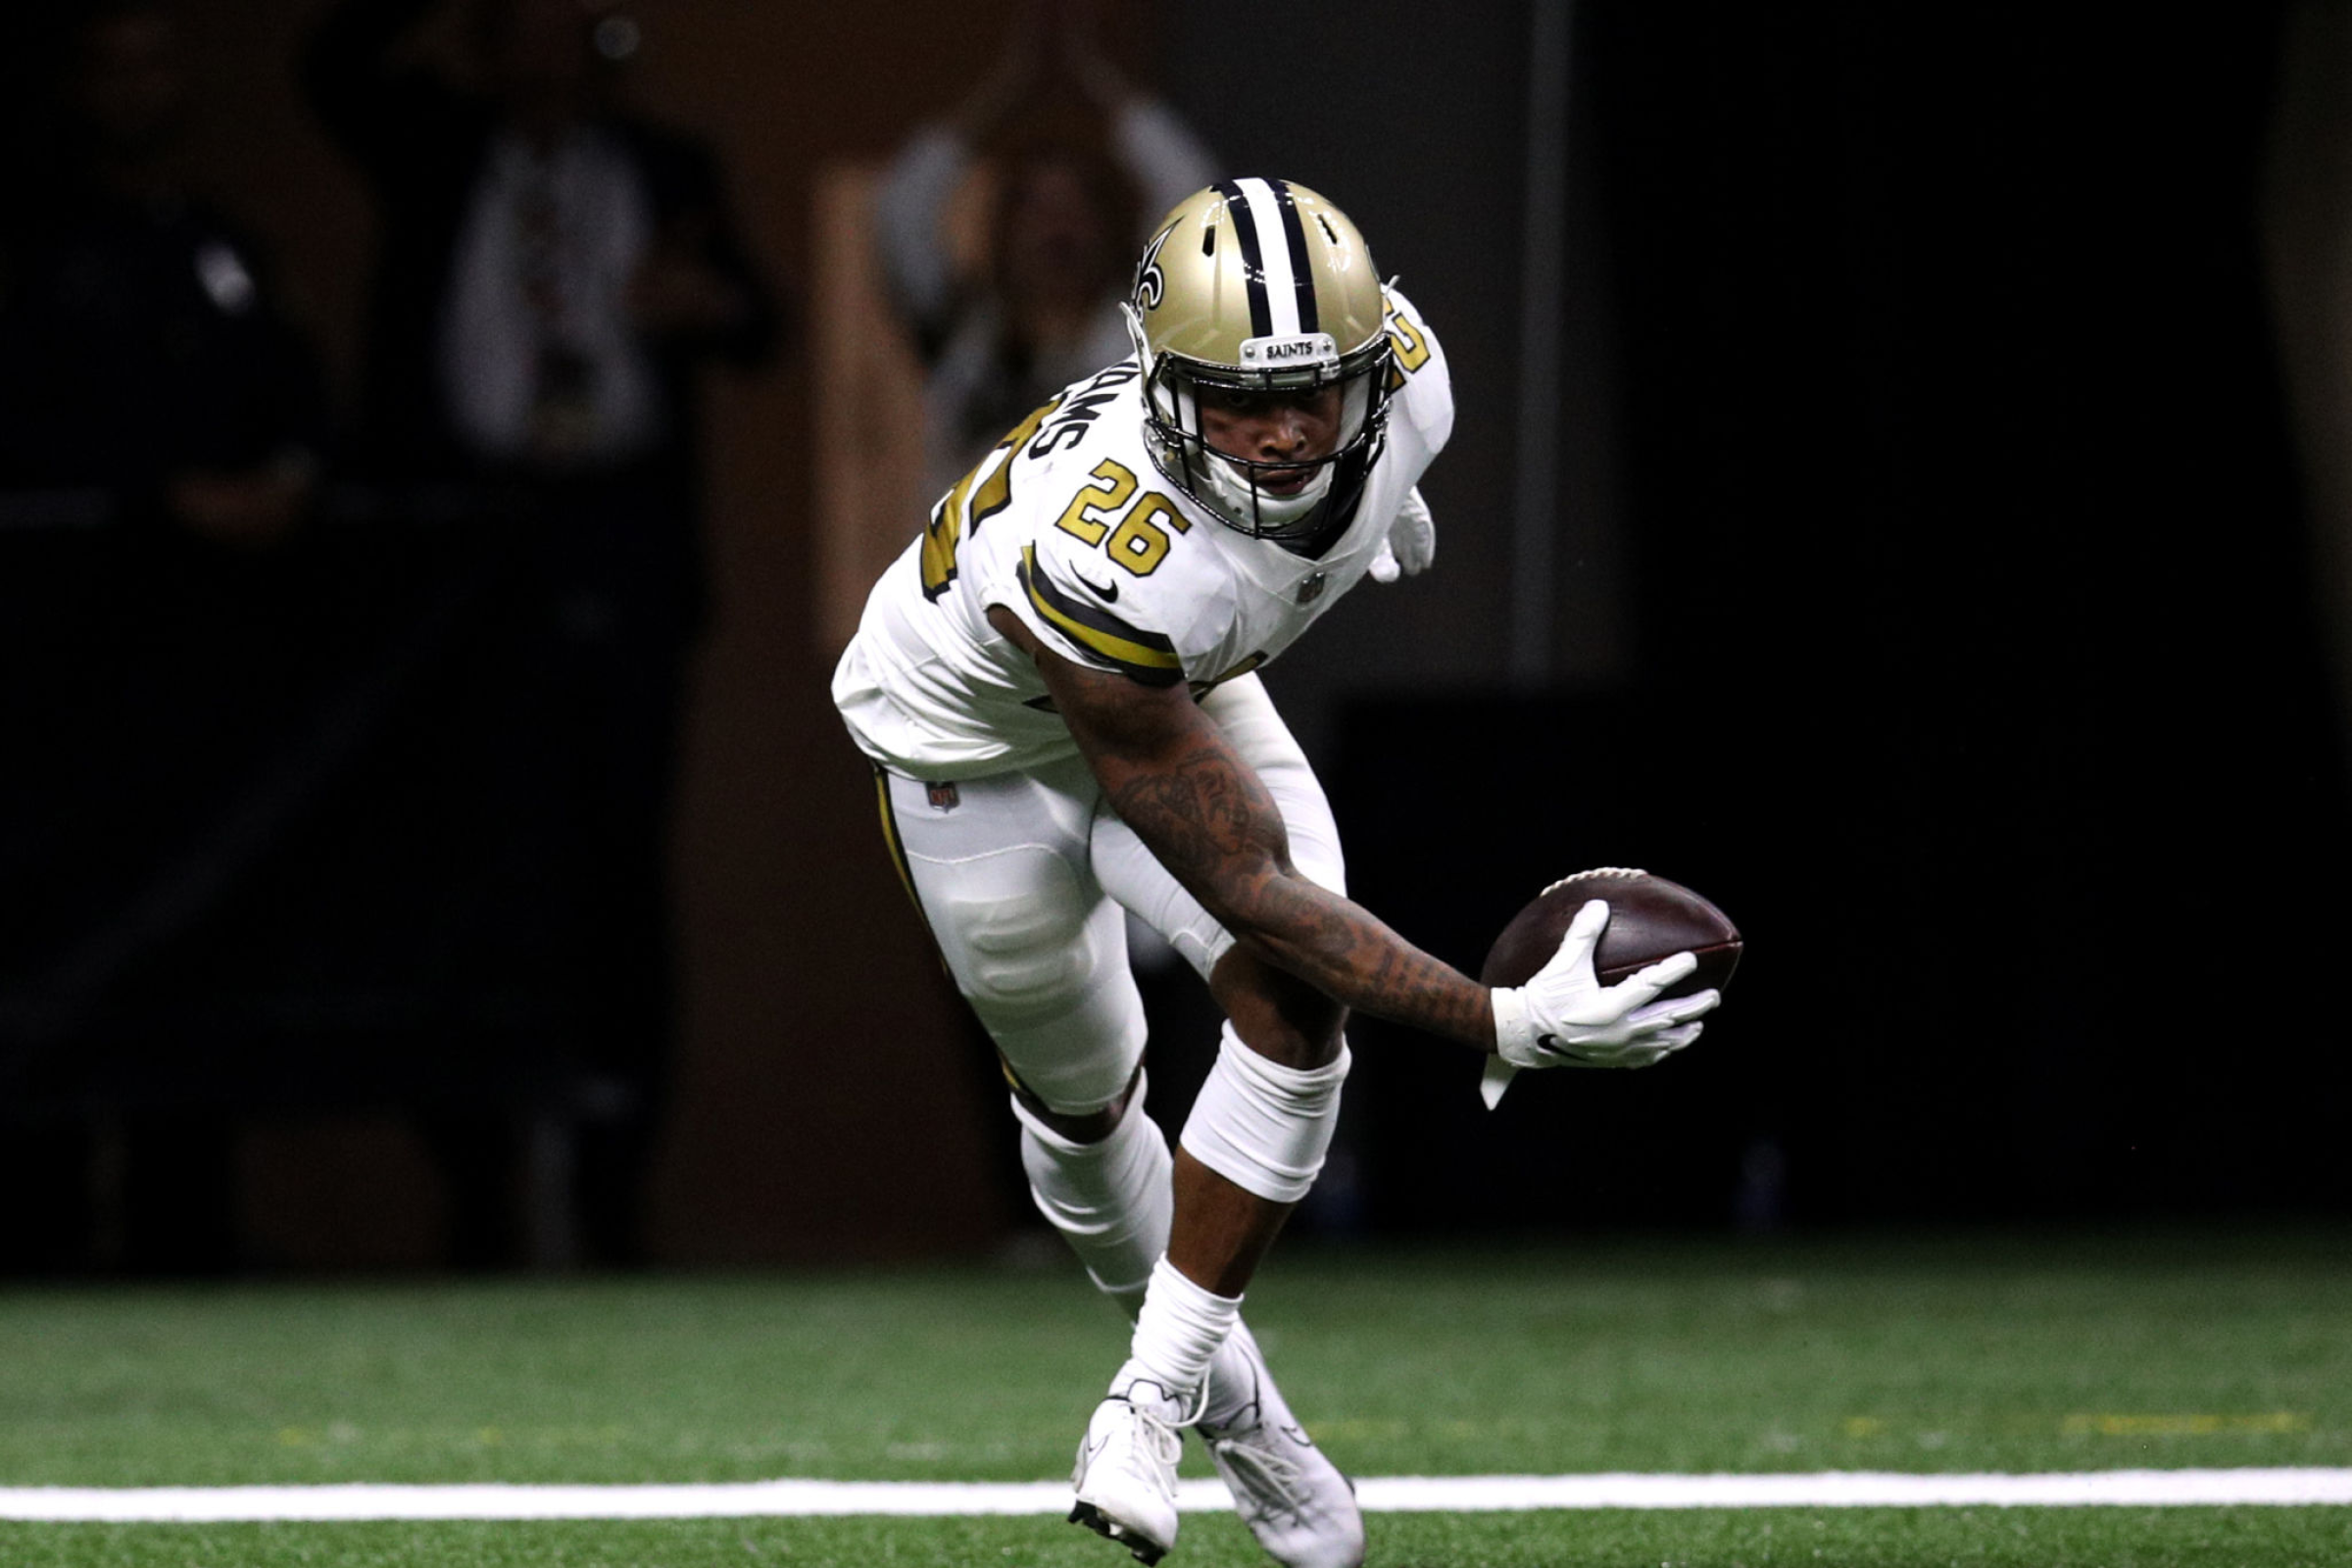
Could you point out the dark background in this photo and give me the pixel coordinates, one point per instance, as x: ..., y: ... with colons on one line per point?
x: 1933, y: 592
x: 1977, y: 671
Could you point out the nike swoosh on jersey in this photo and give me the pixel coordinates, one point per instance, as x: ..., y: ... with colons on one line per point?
x: 1109, y: 595
x: 1141, y: 656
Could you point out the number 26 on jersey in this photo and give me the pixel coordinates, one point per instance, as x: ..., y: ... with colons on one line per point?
x: 1137, y: 541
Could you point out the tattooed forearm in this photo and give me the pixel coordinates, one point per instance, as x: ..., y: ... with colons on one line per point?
x: 1344, y: 950
x: 1202, y: 812
x: 1210, y: 822
x: 1172, y: 776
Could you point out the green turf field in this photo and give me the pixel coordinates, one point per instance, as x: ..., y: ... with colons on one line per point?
x: 2062, y: 1538
x: 1960, y: 1355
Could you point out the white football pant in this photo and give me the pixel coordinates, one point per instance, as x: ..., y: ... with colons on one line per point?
x: 1022, y: 878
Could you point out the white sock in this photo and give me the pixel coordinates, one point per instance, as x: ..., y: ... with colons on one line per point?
x: 1176, y: 1333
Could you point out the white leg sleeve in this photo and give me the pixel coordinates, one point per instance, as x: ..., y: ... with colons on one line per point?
x: 1263, y: 1126
x: 1112, y: 1201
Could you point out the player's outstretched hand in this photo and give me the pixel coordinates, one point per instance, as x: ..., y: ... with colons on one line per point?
x: 1565, y: 1017
x: 1412, y: 544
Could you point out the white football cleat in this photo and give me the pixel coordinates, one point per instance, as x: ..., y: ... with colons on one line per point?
x: 1293, y: 1498
x: 1126, y: 1475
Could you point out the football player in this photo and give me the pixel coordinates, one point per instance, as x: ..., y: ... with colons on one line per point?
x: 1058, y: 684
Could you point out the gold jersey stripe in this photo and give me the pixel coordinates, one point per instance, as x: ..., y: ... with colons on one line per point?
x: 890, y: 839
x: 951, y: 520
x: 1148, y: 657
x: 996, y: 493
x: 899, y: 864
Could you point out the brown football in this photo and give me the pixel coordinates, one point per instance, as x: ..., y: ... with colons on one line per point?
x: 1650, y: 918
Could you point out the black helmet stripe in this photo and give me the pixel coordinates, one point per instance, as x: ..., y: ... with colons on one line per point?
x: 1293, y: 235
x: 1254, y: 264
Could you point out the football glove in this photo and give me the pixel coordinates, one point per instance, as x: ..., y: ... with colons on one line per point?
x: 1565, y: 1017
x: 1412, y: 544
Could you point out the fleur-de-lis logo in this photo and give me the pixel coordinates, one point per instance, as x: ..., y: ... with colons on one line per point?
x: 1150, y: 283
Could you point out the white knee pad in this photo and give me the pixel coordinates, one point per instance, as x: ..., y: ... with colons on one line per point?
x: 1027, y: 954
x: 1112, y: 1201
x: 1048, y: 975
x: 1263, y: 1126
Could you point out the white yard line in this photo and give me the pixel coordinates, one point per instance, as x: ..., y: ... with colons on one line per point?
x: 1836, y: 1489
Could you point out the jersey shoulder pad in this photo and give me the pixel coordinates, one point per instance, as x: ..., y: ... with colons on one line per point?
x: 1117, y: 569
x: 1098, y: 555
x: 1090, y: 611
x: 1021, y: 477
x: 1422, y: 383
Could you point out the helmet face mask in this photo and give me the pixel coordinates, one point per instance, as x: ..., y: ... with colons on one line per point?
x: 1262, y: 289
x: 1260, y: 496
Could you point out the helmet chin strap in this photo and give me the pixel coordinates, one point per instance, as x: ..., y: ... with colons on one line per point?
x: 1244, y: 499
x: 1231, y: 491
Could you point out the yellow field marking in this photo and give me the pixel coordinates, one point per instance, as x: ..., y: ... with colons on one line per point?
x: 1355, y: 1430
x: 2182, y: 1426
x: 2111, y: 1424
x: 344, y: 1433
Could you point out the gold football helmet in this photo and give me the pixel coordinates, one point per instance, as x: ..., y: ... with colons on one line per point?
x: 1260, y: 286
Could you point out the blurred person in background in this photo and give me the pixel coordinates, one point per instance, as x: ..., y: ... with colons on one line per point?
x: 555, y: 272
x: 1065, y: 213
x: 161, y: 429
x: 1073, y: 159
x: 144, y: 354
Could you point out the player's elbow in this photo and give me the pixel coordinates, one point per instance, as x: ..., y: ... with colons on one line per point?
x: 1235, y: 907
x: 1274, y: 916
x: 1232, y: 888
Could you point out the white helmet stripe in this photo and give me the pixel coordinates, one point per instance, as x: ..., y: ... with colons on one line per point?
x: 1261, y: 210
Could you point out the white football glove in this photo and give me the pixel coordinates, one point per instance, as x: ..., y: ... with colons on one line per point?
x: 1412, y: 544
x: 1565, y: 1017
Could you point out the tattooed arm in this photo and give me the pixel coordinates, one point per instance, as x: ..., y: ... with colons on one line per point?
x: 1171, y: 774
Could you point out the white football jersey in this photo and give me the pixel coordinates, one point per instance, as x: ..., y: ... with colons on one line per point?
x: 1070, y: 526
